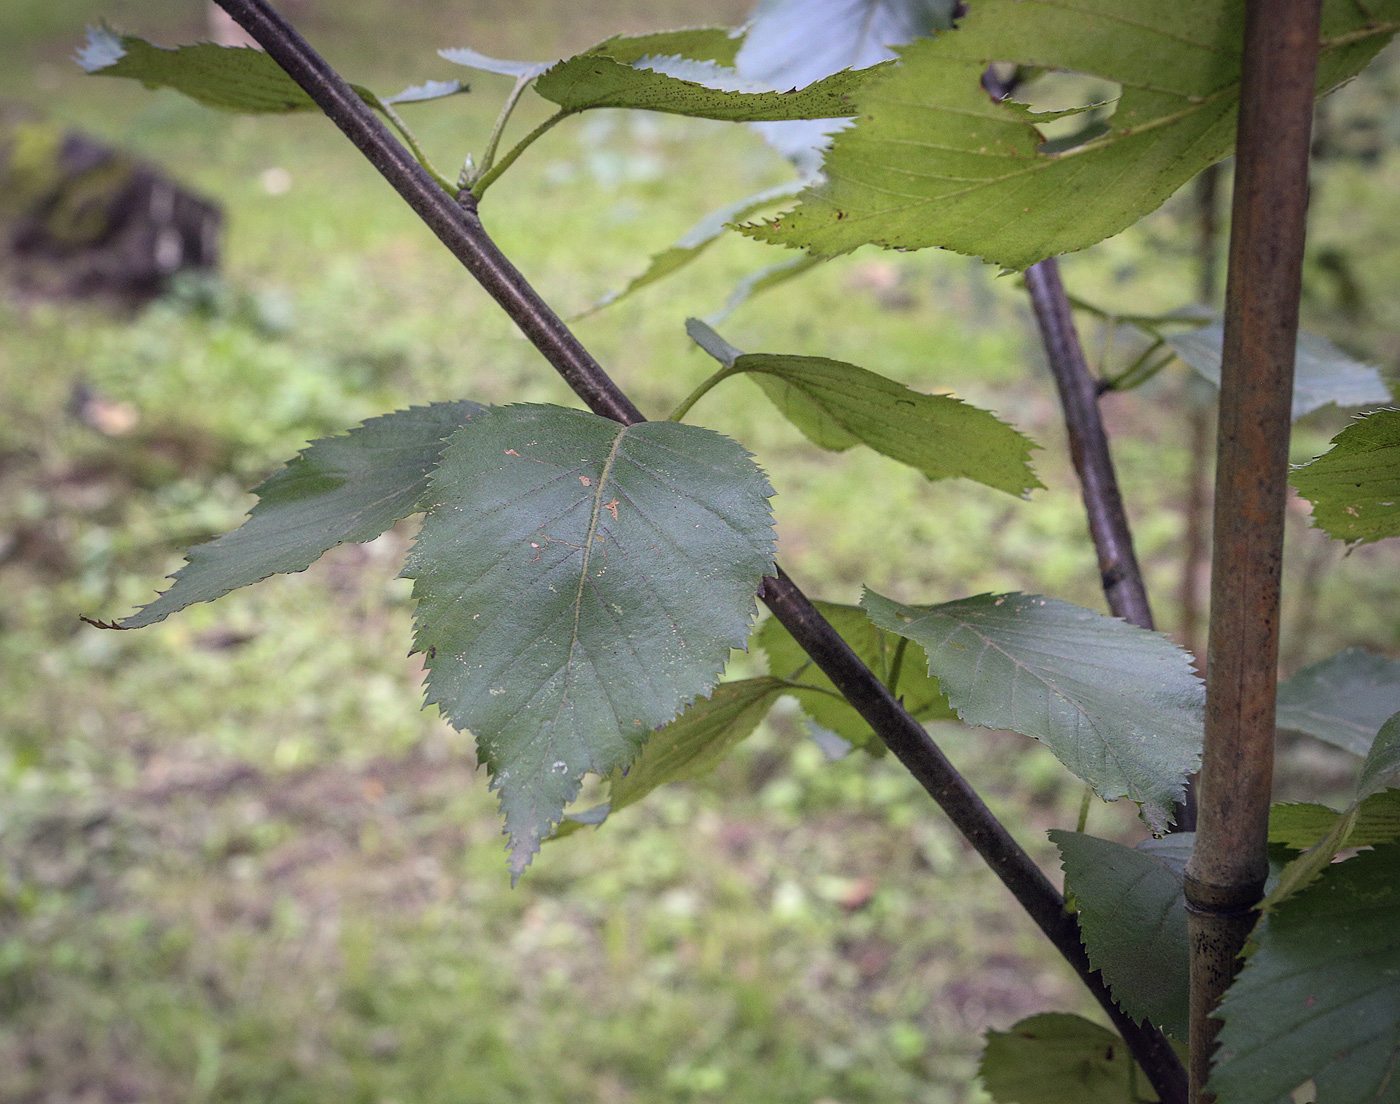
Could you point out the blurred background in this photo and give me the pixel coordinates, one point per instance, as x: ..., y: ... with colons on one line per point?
x: 238, y: 863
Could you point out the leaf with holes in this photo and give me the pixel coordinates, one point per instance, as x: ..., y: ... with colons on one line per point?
x: 1058, y: 1058
x: 339, y: 490
x: 1343, y: 700
x: 934, y: 161
x: 579, y: 582
x: 1355, y: 486
x: 880, y: 651
x: 230, y: 78
x: 690, y: 746
x: 1322, y: 373
x: 1319, y: 997
x: 1132, y: 918
x: 838, y: 405
x: 1118, y: 705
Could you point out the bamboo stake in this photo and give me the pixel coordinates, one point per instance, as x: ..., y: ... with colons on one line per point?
x: 1226, y: 873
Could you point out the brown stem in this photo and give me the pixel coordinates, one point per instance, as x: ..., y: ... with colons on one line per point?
x: 458, y: 227
x: 1225, y: 876
x: 1088, y: 445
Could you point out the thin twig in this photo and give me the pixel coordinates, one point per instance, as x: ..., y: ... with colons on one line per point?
x: 1088, y: 446
x: 461, y: 231
x: 1225, y: 875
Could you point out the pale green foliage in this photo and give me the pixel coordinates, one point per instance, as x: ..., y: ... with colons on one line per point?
x: 1343, y: 699
x: 579, y: 583
x: 933, y: 161
x: 1118, y: 705
x: 1056, y: 1058
x: 1355, y: 486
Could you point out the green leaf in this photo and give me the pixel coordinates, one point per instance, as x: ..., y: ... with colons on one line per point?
x: 700, y: 237
x: 230, y: 78
x: 1299, y: 826
x: 717, y: 44
x: 1343, y: 699
x: 690, y: 746
x: 579, y: 583
x: 1118, y: 705
x: 877, y: 649
x: 1320, y: 996
x: 790, y: 43
x: 761, y: 280
x: 1132, y: 917
x: 934, y: 161
x: 1383, y: 760
x: 1057, y: 1058
x: 1355, y: 486
x: 338, y: 490
x: 428, y: 90
x: 520, y: 70
x: 595, y: 80
x: 837, y: 405
x: 1322, y: 373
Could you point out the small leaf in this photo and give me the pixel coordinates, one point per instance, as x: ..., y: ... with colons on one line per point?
x: 338, y: 490
x: 230, y: 78
x: 934, y: 161
x: 1118, y: 705
x: 878, y: 651
x: 1383, y: 760
x: 690, y: 746
x: 1320, y: 996
x: 1132, y: 916
x: 1343, y: 699
x: 593, y: 80
x: 761, y: 280
x: 790, y: 43
x: 520, y: 70
x: 1057, y: 1058
x: 837, y: 405
x: 1355, y: 486
x: 1322, y: 373
x: 579, y: 583
x: 1299, y: 826
x: 428, y: 90
x: 700, y: 237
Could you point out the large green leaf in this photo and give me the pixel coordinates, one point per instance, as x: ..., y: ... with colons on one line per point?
x: 934, y: 161
x: 1343, y: 700
x: 1322, y: 373
x: 1320, y: 996
x: 338, y: 490
x: 598, y: 80
x: 1132, y: 916
x: 690, y: 746
x: 1118, y: 705
x: 579, y: 583
x: 878, y: 650
x: 1355, y: 486
x: 231, y: 78
x: 1058, y: 1058
x: 837, y: 405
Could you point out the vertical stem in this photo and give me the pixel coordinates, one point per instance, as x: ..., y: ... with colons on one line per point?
x: 1088, y: 446
x: 1225, y: 876
x: 1195, y: 554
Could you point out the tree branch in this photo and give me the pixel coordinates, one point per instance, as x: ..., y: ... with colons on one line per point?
x: 1226, y: 872
x: 459, y: 228
x: 1088, y: 446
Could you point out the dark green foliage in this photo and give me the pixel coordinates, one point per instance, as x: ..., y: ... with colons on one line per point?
x: 579, y: 583
x: 1056, y: 1058
x: 1343, y: 699
x: 1355, y: 486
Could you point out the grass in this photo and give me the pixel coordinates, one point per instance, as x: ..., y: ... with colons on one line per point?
x: 237, y: 863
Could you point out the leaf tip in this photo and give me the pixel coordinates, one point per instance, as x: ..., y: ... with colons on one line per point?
x: 104, y: 49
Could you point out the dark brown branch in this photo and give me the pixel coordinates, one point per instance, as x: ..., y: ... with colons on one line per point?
x: 1225, y: 876
x: 461, y: 231
x: 1088, y: 446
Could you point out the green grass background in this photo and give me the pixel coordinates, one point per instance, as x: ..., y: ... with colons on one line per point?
x: 238, y: 863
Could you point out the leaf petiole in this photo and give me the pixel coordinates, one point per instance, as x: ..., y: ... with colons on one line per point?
x: 411, y: 141
x: 507, y: 109
x: 488, y: 175
x: 704, y: 388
